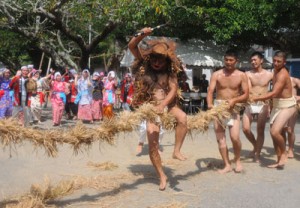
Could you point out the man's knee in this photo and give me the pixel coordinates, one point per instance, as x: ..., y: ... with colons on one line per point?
x: 246, y: 130
x: 182, y: 119
x: 275, y: 132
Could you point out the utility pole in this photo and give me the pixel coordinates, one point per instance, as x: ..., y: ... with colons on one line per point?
x: 90, y: 40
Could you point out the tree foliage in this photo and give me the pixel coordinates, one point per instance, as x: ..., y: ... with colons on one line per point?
x: 60, y: 28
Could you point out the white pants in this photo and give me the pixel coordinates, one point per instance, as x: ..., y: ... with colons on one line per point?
x: 143, y: 132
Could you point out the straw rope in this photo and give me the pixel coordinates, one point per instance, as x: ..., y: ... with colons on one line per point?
x: 81, y: 136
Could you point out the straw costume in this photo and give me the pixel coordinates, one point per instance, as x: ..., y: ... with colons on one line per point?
x: 146, y: 77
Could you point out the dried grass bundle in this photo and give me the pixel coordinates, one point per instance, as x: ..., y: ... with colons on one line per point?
x: 201, y: 120
x: 47, y: 192
x: 81, y: 136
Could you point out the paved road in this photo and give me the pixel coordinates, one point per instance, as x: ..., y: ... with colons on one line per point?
x: 193, y: 183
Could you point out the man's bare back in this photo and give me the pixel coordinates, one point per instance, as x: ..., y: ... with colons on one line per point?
x: 282, y: 79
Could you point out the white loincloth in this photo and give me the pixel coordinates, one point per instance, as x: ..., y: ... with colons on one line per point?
x: 279, y: 104
x: 228, y: 121
x: 256, y: 108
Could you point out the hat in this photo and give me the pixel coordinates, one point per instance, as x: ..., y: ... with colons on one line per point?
x: 56, y: 74
x: 24, y: 68
x: 34, y: 71
x: 72, y: 71
x: 111, y: 74
x: 6, y: 70
x: 101, y: 73
x: 96, y: 74
x: 30, y: 66
x: 86, y: 71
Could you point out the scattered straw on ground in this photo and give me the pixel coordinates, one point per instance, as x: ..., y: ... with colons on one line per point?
x: 41, y: 194
x: 103, y: 166
x: 171, y: 205
x: 80, y: 136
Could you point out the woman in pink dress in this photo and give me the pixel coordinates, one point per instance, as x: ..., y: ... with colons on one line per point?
x: 58, y: 98
x: 110, y: 86
x: 84, y: 97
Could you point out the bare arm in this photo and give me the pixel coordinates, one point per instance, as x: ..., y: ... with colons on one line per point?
x: 133, y: 44
x: 211, y: 89
x: 277, y: 89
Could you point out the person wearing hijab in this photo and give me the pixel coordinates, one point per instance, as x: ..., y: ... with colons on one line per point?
x: 5, y: 98
x: 58, y: 98
x: 110, y: 86
x: 97, y: 96
x: 84, y: 96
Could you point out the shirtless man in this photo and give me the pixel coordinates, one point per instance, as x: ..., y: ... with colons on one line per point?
x: 283, y: 106
x: 258, y: 80
x: 292, y: 121
x: 158, y: 68
x: 231, y: 86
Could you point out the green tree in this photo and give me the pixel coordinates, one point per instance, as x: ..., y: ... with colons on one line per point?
x: 60, y: 28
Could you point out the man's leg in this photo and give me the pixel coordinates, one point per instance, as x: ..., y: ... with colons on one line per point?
x: 247, y: 120
x: 234, y: 132
x: 180, y: 131
x: 276, y: 133
x: 261, y: 124
x: 220, y: 135
x: 153, y: 134
x: 291, y: 134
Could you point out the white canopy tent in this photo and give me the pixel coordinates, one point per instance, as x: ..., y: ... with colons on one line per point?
x: 201, y: 57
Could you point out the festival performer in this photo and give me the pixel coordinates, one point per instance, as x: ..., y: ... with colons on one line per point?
x: 58, y: 98
x: 20, y: 100
x: 156, y: 70
x: 71, y: 106
x: 98, y: 87
x: 5, y: 97
x: 84, y: 96
x: 259, y: 81
x: 290, y: 129
x: 126, y: 92
x: 284, y: 106
x: 231, y: 86
x: 110, y: 85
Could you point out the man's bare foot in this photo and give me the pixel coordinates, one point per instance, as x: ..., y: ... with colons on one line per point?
x: 290, y: 153
x: 179, y: 156
x: 226, y: 169
x: 276, y: 165
x: 163, y: 183
x: 282, y: 160
x: 238, y: 168
x: 139, y: 148
x: 256, y: 158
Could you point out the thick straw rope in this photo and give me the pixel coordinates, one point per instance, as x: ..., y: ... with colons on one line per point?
x: 80, y: 135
